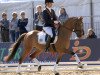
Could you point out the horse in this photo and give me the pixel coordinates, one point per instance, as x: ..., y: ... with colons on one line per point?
x: 30, y: 40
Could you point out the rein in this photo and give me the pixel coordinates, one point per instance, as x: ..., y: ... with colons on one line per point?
x: 70, y: 29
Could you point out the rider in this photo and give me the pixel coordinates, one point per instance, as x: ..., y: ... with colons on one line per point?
x: 50, y: 19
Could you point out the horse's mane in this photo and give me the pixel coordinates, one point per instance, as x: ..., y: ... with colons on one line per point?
x: 70, y: 19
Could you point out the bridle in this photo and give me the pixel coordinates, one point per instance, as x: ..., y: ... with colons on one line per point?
x: 71, y: 29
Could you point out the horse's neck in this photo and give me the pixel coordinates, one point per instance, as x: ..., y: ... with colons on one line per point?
x: 64, y: 32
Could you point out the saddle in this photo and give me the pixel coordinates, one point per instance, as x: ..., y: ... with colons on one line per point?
x: 42, y: 38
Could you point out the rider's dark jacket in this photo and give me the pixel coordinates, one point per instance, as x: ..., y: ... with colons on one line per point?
x: 49, y: 17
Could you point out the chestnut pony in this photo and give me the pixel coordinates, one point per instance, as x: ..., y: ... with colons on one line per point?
x: 30, y: 40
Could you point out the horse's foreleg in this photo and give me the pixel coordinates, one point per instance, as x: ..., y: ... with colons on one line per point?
x: 76, y: 58
x: 57, y: 62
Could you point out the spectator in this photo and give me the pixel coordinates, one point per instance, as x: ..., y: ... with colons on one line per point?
x: 63, y: 15
x: 38, y: 18
x: 91, y: 34
x: 22, y: 23
x: 4, y: 24
x: 14, y: 27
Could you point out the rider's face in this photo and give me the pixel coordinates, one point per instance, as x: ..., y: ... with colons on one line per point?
x: 49, y: 4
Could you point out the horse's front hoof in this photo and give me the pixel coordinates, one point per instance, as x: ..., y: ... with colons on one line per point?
x: 80, y: 65
x: 39, y: 68
x: 57, y: 74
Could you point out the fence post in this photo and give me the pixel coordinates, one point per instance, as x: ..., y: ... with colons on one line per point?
x: 91, y: 14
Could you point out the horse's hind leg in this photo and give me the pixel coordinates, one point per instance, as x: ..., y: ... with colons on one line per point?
x: 33, y: 57
x: 23, y: 56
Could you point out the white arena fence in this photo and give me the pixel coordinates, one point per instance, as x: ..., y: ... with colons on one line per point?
x: 28, y: 67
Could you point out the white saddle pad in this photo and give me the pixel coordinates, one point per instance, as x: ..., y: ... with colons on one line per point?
x: 42, y: 37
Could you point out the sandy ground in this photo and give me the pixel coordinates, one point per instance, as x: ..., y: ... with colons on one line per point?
x: 63, y: 70
x: 61, y: 73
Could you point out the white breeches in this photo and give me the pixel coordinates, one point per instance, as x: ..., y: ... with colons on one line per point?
x: 48, y: 30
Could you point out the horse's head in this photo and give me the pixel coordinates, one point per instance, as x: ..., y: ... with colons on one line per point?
x: 78, y: 27
x: 75, y: 24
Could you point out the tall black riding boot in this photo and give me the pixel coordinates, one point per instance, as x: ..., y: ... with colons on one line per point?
x: 48, y: 44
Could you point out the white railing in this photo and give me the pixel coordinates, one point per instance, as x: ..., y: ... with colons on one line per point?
x: 32, y: 67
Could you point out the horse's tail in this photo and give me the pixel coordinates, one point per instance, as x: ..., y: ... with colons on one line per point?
x: 14, y: 47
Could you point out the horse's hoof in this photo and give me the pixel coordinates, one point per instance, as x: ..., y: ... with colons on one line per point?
x: 19, y: 73
x: 39, y: 68
x: 57, y: 74
x: 80, y: 65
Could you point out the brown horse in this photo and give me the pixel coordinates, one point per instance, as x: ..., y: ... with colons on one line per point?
x: 30, y: 40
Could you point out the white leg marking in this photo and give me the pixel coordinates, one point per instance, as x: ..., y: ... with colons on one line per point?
x: 55, y: 68
x: 36, y: 61
x: 18, y: 68
x: 77, y: 58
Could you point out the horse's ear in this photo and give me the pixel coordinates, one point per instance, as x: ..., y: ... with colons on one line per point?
x: 81, y: 18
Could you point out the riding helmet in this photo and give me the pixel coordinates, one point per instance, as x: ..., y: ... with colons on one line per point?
x: 47, y: 1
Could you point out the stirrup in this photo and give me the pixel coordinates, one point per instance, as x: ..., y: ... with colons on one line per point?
x: 46, y: 50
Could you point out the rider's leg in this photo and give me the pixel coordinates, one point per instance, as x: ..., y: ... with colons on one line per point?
x: 49, y: 31
x: 54, y: 35
x: 48, y: 43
